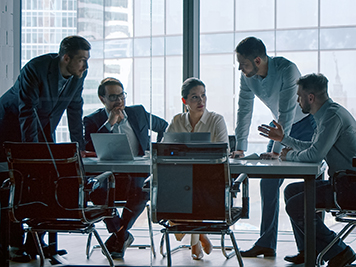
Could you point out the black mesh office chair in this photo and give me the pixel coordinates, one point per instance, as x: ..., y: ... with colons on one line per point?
x: 344, y: 187
x: 191, y: 187
x: 48, y: 191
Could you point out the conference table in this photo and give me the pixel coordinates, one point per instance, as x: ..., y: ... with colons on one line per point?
x: 254, y: 169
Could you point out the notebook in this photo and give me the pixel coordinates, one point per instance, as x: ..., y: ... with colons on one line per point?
x: 113, y: 146
x: 173, y: 137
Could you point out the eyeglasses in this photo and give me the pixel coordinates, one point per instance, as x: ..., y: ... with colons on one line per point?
x: 113, y: 98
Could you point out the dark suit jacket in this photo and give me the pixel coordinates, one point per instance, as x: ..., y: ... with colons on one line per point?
x: 139, y: 120
x: 37, y: 89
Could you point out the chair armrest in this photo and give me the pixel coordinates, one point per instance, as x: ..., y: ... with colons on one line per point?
x: 235, y: 186
x: 147, y: 184
x: 109, y: 176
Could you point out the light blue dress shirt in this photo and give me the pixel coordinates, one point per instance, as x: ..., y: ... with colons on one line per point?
x: 334, y: 139
x: 278, y: 91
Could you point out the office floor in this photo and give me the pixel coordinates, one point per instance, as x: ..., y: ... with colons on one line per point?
x: 75, y: 246
x: 246, y: 233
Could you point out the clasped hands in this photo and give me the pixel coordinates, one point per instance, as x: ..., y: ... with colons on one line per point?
x: 115, y: 115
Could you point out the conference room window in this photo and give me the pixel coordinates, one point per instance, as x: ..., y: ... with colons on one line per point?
x: 319, y: 36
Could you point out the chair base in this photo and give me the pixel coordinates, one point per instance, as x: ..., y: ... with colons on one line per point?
x: 351, y: 224
x: 222, y: 230
x: 87, y: 229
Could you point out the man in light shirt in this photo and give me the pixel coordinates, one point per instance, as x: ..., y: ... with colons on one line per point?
x: 335, y: 142
x: 273, y: 81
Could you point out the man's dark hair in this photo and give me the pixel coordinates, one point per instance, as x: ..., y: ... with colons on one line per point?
x: 71, y: 44
x: 251, y: 47
x: 188, y: 84
x: 316, y: 84
x: 108, y: 81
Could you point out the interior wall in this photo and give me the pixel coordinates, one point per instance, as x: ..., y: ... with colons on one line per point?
x: 10, y: 24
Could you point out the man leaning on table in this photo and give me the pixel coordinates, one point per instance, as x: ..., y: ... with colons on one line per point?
x: 335, y: 142
x: 273, y: 80
x: 134, y: 121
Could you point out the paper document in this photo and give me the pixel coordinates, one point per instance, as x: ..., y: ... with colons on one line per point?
x: 252, y: 156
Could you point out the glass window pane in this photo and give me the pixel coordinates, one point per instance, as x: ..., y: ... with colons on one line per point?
x: 142, y: 17
x: 142, y: 47
x: 216, y: 71
x: 118, y: 19
x: 122, y: 70
x: 297, y: 13
x: 216, y: 17
x: 307, y: 62
x: 90, y: 20
x: 336, y: 66
x: 216, y: 43
x: 174, y: 77
x: 297, y: 40
x: 174, y: 23
x: 142, y: 81
x: 267, y: 38
x: 336, y: 13
x: 174, y: 45
x: 118, y: 48
x: 254, y: 15
x: 97, y: 50
x: 339, y: 38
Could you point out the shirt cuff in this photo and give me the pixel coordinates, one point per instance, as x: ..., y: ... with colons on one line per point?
x: 277, y: 147
x: 108, y: 126
x: 241, y: 145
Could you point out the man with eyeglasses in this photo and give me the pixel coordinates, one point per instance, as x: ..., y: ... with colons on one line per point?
x: 134, y: 121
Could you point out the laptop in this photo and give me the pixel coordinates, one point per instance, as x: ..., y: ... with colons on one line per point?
x: 112, y: 146
x: 173, y: 137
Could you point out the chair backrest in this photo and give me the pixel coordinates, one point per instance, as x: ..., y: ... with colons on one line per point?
x: 232, y: 142
x: 47, y: 180
x: 190, y: 182
x: 344, y: 186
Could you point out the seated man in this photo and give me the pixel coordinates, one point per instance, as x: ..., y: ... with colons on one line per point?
x: 134, y: 121
x: 335, y: 141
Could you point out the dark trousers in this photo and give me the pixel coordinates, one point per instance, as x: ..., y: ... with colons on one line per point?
x: 294, y: 198
x: 135, y: 202
x: 269, y: 189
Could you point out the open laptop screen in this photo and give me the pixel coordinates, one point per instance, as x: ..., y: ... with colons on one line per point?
x: 112, y: 146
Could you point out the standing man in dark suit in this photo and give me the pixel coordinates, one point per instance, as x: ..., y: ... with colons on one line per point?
x: 46, y: 87
x: 134, y: 121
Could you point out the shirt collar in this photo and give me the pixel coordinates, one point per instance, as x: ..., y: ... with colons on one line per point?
x: 321, y: 111
x: 203, y: 119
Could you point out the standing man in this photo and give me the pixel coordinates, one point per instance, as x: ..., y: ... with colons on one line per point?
x: 134, y: 121
x: 273, y: 81
x: 47, y: 86
x: 335, y: 141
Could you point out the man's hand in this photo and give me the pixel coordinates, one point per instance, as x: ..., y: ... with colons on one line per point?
x: 115, y: 116
x: 85, y: 153
x: 237, y: 154
x: 269, y: 155
x: 274, y: 133
x: 284, y: 152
